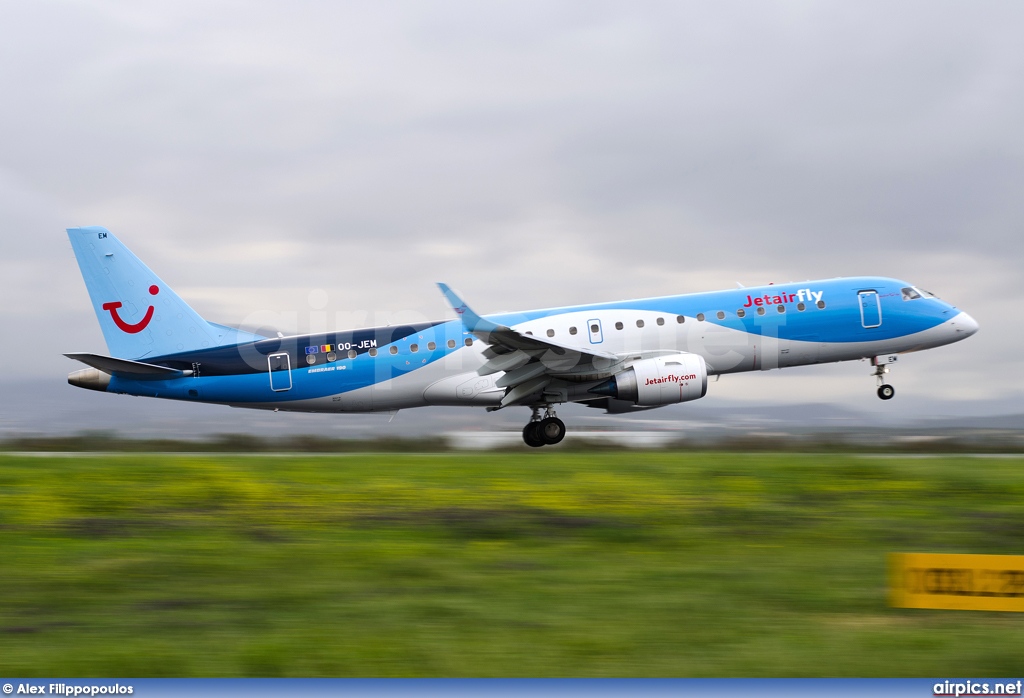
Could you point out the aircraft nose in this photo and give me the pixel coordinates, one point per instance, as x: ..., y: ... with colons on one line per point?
x: 965, y: 325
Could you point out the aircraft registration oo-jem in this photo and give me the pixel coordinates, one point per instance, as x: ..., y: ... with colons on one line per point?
x: 620, y: 356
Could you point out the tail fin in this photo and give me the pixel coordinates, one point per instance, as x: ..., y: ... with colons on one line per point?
x: 139, y: 314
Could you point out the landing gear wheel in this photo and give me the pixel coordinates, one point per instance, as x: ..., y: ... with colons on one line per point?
x: 532, y: 435
x: 881, y: 364
x: 552, y: 430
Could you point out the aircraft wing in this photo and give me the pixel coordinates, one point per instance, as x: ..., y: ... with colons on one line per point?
x: 530, y: 363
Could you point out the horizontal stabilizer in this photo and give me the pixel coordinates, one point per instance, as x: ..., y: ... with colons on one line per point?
x: 136, y: 370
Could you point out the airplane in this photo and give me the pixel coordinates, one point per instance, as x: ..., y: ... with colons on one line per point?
x: 622, y: 356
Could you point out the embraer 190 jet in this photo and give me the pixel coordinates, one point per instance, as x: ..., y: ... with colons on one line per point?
x: 621, y: 356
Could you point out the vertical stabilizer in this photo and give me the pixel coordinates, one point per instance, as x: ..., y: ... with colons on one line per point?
x: 139, y: 314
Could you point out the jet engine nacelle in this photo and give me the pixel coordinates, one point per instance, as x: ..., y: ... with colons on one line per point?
x: 663, y: 380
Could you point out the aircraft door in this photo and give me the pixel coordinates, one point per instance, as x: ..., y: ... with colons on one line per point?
x: 596, y: 335
x: 280, y: 366
x: 870, y: 310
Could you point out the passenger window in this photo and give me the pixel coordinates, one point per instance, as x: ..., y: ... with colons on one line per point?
x: 680, y: 319
x: 572, y: 330
x: 741, y: 312
x: 801, y: 307
x: 595, y: 329
x: 781, y: 308
x: 373, y: 352
x: 700, y: 317
x: 310, y: 359
x: 352, y: 353
x: 821, y: 304
x: 414, y: 348
x: 721, y: 315
x: 393, y: 349
x: 760, y: 311
x: 618, y: 325
x: 639, y: 323
x: 551, y: 333
x: 451, y: 343
x: 661, y: 321
x: 331, y: 356
x: 469, y: 341
x: 431, y: 346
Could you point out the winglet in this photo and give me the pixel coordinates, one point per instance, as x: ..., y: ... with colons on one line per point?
x: 473, y: 322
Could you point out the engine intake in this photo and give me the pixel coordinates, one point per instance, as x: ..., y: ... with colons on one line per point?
x: 663, y: 380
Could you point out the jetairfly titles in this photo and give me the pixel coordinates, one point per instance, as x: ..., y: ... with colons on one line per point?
x: 621, y: 356
x: 800, y: 296
x: 671, y: 378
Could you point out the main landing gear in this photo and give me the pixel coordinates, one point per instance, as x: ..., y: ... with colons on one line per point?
x: 885, y: 391
x: 543, y: 432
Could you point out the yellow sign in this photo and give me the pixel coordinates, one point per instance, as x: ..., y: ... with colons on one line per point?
x: 958, y: 582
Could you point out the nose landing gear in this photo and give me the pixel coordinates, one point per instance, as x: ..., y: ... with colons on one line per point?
x: 543, y: 432
x: 881, y: 364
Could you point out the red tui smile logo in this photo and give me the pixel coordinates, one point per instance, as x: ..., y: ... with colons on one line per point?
x: 127, y: 327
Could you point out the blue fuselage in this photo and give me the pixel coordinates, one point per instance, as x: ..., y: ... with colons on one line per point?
x: 387, y: 368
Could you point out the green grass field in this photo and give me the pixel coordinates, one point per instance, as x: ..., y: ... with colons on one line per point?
x: 495, y: 564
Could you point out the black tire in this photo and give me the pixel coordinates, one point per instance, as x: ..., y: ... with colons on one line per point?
x: 531, y: 435
x: 886, y: 392
x: 551, y: 430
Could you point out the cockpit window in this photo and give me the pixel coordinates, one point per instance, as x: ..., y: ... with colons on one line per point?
x: 910, y: 294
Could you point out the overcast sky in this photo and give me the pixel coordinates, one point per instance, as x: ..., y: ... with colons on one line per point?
x: 321, y: 165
